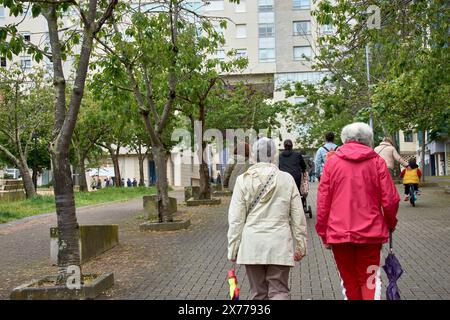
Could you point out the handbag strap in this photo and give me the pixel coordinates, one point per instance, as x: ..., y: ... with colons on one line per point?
x: 260, y: 192
x: 382, y: 149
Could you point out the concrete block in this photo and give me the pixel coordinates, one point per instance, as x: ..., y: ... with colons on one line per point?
x: 151, y: 207
x: 94, y: 240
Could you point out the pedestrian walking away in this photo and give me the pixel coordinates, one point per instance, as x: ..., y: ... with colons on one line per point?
x: 321, y: 154
x: 238, y: 165
x: 387, y: 151
x: 292, y: 162
x: 357, y: 204
x: 267, y: 226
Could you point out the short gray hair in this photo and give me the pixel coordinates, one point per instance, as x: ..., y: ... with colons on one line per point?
x: 264, y: 150
x: 359, y: 131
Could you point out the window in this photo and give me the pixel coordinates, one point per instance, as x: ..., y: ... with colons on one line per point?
x: 301, y: 4
x: 3, y: 62
x: 194, y: 5
x: 218, y: 29
x: 301, y: 53
x: 266, y: 43
x: 266, y: 17
x: 266, y: 30
x: 25, y: 62
x: 2, y: 12
x: 327, y: 29
x: 214, y: 5
x: 241, y: 6
x: 265, y: 5
x: 267, y: 55
x: 26, y: 36
x: 241, y: 53
x: 302, y: 28
x: 241, y: 31
x: 220, y: 54
x: 291, y: 77
x: 408, y: 136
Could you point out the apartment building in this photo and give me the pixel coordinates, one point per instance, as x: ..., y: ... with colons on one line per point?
x: 33, y: 30
x: 437, y: 152
x: 277, y: 37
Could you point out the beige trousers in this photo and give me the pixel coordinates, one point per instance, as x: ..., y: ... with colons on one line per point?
x: 268, y: 282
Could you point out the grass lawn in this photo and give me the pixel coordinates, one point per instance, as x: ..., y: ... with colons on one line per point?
x: 45, y: 204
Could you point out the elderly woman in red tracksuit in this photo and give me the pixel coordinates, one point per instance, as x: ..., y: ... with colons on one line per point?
x: 357, y: 204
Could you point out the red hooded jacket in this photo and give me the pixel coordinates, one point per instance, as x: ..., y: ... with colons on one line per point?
x: 357, y: 201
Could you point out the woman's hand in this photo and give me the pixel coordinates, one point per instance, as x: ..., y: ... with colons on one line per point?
x: 298, y: 255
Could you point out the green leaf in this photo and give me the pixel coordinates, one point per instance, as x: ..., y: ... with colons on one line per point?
x: 36, y: 10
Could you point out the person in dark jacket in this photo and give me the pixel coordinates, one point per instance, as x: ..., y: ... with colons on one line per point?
x: 292, y: 162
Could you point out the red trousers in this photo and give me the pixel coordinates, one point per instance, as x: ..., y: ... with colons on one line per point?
x: 359, y: 268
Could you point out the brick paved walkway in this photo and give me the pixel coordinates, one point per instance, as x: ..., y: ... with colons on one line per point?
x: 191, y: 264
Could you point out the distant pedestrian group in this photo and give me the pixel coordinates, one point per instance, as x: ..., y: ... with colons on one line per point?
x: 357, y: 204
x: 110, y: 182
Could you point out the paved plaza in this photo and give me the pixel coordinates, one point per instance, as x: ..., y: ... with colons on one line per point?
x: 191, y: 264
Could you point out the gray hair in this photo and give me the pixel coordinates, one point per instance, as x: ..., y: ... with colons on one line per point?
x: 264, y: 150
x: 359, y: 132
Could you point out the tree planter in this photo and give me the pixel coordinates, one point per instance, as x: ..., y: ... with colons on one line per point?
x: 44, y: 290
x: 216, y: 187
x: 10, y: 196
x: 222, y: 193
x: 94, y: 240
x: 191, y: 192
x: 151, y: 207
x: 202, y: 202
x: 165, y: 226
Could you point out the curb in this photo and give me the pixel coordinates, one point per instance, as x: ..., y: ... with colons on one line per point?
x: 44, y: 215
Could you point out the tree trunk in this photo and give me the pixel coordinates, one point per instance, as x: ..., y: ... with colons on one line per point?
x: 82, y: 175
x: 69, y: 233
x: 117, y: 177
x: 141, y: 171
x: 162, y: 185
x: 34, y: 177
x: 27, y: 179
x: 205, y: 186
x: 422, y: 156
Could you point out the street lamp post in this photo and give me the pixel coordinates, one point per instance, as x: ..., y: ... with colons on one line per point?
x: 35, y: 155
x: 368, y: 82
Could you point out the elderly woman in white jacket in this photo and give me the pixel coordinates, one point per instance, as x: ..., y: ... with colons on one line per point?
x: 269, y: 235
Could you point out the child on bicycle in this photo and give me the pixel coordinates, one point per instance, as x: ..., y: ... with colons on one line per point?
x: 411, y: 175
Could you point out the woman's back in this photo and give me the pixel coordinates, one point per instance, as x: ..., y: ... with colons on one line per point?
x: 267, y: 236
